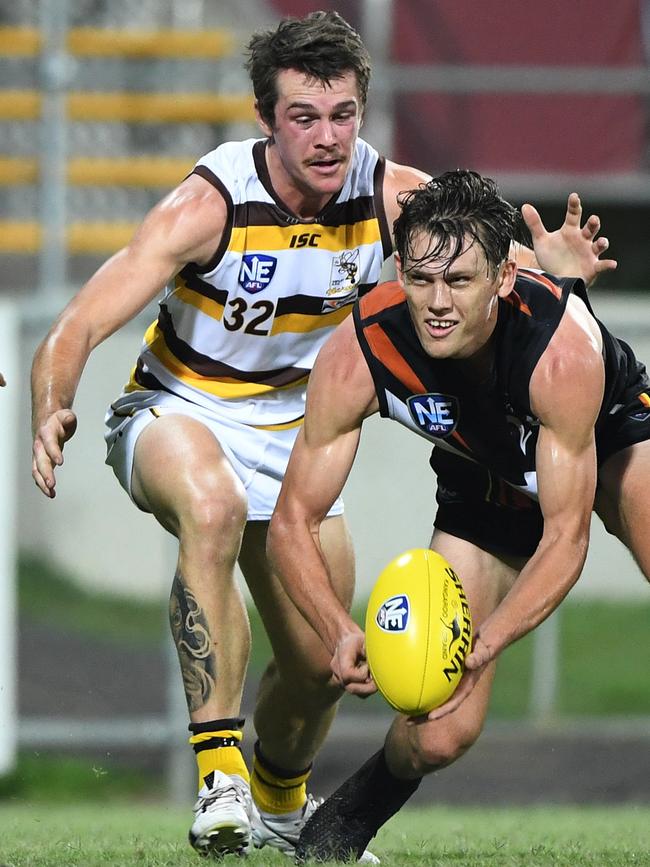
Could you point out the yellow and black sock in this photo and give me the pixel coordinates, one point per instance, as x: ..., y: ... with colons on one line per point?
x: 217, y: 745
x: 277, y: 790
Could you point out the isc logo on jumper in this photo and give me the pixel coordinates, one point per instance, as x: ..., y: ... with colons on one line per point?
x: 393, y: 616
x: 256, y: 272
x: 305, y: 239
x: 435, y: 414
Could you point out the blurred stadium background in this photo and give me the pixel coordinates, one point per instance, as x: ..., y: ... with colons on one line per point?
x: 106, y: 105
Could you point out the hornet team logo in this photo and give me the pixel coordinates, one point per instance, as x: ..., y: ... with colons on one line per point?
x: 435, y: 414
x: 344, y: 274
x: 256, y: 272
x: 393, y: 616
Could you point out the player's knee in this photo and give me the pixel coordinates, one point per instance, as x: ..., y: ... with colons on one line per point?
x: 214, y: 515
x: 443, y: 744
x: 310, y: 684
x: 319, y: 688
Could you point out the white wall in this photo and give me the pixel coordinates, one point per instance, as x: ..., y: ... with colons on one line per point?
x: 9, y: 367
x: 91, y: 527
x: 95, y: 532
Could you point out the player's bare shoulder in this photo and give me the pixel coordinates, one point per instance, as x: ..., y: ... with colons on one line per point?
x: 579, y: 316
x: 398, y: 179
x: 569, y: 377
x: 342, y: 378
x: 191, y: 219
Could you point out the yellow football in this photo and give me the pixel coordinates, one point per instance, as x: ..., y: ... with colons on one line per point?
x: 418, y: 631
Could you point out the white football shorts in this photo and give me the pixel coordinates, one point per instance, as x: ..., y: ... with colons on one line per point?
x: 259, y: 457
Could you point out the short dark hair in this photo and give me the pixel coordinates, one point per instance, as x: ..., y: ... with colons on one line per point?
x: 322, y: 45
x: 451, y: 207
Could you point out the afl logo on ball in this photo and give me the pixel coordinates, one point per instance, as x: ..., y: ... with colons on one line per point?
x: 393, y: 615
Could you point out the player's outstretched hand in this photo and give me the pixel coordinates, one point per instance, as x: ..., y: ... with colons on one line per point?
x: 350, y: 666
x: 3, y: 381
x: 573, y: 250
x: 47, y: 451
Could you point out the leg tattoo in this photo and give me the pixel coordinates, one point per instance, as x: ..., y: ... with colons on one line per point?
x: 194, y: 644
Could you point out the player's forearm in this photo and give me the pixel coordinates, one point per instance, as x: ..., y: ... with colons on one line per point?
x: 298, y: 560
x: 540, y: 588
x: 56, y: 370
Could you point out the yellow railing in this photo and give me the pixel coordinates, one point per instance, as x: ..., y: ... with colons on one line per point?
x: 124, y: 107
x: 128, y: 107
x: 91, y: 238
x: 102, y: 42
x: 191, y: 44
x: 15, y: 171
x: 129, y: 171
x: 19, y: 237
x: 20, y: 104
x: 120, y: 171
x: 160, y: 107
x: 20, y: 41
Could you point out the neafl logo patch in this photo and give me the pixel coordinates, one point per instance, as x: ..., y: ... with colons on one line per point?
x: 256, y: 272
x: 435, y: 414
x: 393, y: 615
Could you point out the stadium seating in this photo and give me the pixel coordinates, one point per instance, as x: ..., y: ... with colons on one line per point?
x: 122, y: 145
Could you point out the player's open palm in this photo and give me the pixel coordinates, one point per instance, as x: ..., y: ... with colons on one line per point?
x: 573, y: 250
x: 49, y: 439
x: 350, y: 666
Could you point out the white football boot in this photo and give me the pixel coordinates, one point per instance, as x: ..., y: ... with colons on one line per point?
x: 282, y: 831
x: 222, y: 814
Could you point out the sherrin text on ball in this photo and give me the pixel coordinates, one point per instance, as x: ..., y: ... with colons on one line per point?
x: 418, y: 631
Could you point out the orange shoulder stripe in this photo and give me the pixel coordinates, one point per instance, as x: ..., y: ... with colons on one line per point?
x: 515, y: 299
x: 384, y: 349
x: 540, y: 278
x: 382, y: 296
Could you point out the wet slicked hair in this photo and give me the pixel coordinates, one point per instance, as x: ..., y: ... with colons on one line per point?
x: 322, y: 45
x: 449, y: 209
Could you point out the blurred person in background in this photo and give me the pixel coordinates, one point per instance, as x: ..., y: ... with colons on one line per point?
x: 543, y: 412
x: 263, y: 249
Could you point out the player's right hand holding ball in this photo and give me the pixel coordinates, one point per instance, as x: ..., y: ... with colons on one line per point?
x: 350, y: 666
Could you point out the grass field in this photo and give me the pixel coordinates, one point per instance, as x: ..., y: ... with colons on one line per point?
x: 51, y: 816
x: 154, y: 836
